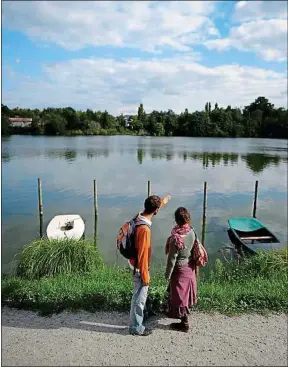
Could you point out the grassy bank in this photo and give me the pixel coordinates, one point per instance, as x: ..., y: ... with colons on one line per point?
x: 256, y: 284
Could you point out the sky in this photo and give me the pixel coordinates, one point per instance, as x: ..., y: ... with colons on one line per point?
x: 114, y: 55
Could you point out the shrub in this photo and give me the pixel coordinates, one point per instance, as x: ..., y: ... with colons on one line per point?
x: 47, y: 258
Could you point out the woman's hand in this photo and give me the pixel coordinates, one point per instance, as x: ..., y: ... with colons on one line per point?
x: 166, y: 199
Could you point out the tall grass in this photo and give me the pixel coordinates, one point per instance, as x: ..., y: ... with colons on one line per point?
x: 54, y: 276
x: 264, y: 265
x: 48, y: 258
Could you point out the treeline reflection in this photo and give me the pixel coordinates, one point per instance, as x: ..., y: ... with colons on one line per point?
x: 256, y: 162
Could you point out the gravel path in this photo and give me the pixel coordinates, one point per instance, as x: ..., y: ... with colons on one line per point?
x: 102, y: 339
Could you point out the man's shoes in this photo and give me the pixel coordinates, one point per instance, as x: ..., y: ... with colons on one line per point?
x: 146, y: 332
x: 179, y: 326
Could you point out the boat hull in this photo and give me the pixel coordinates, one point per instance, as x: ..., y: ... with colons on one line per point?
x: 249, y: 235
x: 69, y: 226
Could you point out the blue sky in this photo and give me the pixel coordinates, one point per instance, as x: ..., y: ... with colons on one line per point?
x: 115, y: 55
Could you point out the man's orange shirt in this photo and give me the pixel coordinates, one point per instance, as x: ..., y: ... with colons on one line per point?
x: 143, y: 247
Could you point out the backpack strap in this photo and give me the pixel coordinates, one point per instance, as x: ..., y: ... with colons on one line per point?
x: 194, y: 233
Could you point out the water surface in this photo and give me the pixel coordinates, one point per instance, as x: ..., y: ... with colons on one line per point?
x: 122, y: 165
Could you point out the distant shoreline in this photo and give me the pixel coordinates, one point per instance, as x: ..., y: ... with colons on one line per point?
x: 142, y: 136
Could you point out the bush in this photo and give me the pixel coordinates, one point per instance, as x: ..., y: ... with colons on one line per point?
x: 47, y: 258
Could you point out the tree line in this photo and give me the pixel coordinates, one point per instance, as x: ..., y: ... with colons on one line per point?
x: 259, y: 119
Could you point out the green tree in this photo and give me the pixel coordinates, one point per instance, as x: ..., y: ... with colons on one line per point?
x: 170, y: 123
x: 72, y: 119
x: 5, y: 111
x: 54, y: 124
x: 5, y: 125
x: 36, y: 126
x: 107, y: 121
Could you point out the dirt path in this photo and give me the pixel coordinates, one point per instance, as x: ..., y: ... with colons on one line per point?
x: 101, y: 339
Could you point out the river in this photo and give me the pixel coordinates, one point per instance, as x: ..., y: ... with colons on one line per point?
x: 122, y: 165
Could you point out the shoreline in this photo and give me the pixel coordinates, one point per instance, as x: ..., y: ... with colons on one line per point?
x: 101, y: 338
x: 146, y: 136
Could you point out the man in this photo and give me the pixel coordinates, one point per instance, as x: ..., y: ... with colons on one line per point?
x: 141, y: 277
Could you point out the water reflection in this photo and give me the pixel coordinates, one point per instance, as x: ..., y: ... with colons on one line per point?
x: 258, y: 162
x: 70, y: 155
x: 255, y: 162
x: 140, y: 155
x: 5, y: 156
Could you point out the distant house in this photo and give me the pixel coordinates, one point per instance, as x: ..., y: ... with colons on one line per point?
x: 20, y: 121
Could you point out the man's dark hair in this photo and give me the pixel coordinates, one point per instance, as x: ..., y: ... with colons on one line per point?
x: 151, y: 204
x: 182, y: 216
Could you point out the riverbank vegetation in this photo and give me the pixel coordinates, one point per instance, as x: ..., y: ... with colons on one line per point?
x: 259, y: 119
x: 49, y: 279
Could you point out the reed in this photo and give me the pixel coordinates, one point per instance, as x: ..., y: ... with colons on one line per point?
x: 48, y: 258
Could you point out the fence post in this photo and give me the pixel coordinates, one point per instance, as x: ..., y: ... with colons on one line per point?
x: 203, y: 221
x: 149, y: 188
x: 255, y: 199
x: 204, y: 214
x: 95, y: 210
x: 40, y: 206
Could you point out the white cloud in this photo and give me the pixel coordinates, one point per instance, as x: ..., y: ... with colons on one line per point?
x: 268, y: 38
x: 119, y: 86
x: 255, y: 10
x: 262, y: 29
x: 139, y: 24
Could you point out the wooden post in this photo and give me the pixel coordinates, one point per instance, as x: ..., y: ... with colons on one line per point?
x: 149, y: 188
x: 204, y: 214
x: 203, y: 221
x: 255, y: 199
x: 40, y: 205
x: 95, y: 211
x: 95, y: 199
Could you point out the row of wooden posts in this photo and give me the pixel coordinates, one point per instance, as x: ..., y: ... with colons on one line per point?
x: 95, y: 192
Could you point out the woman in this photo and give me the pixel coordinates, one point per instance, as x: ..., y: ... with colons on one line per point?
x: 180, y: 270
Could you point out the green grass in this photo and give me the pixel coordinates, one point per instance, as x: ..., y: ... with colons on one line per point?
x: 47, y: 258
x: 256, y: 284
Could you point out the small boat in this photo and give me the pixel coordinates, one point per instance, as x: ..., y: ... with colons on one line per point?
x: 249, y: 235
x: 66, y: 226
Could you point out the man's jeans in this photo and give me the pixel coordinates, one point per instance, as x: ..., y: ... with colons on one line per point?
x: 137, y: 305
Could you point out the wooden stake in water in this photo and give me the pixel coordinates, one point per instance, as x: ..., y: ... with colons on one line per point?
x: 255, y: 199
x: 95, y: 199
x: 40, y: 205
x: 204, y: 214
x: 95, y: 210
x: 149, y: 188
x: 203, y: 221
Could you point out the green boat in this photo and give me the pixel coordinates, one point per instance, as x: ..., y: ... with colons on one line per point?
x: 249, y: 234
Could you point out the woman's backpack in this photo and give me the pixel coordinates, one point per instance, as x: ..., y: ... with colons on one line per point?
x: 198, y: 252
